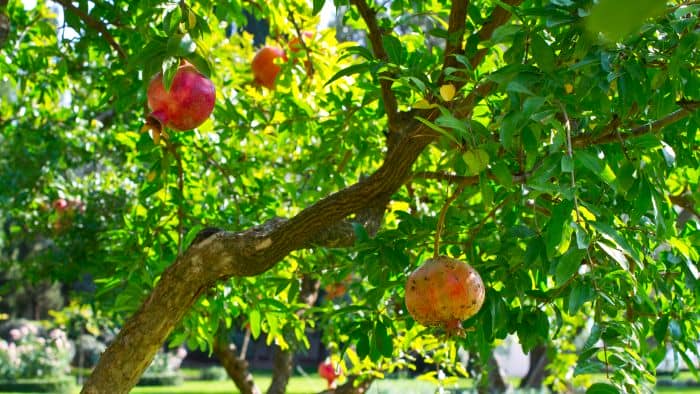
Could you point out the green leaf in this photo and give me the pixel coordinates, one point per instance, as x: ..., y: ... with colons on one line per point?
x: 382, y: 341
x: 477, y: 160
x: 363, y: 346
x: 437, y: 128
x: 393, y: 48
x: 502, y: 173
x: 542, y: 53
x: 568, y: 265
x: 169, y: 69
x: 602, y: 388
x: 617, y: 18
x: 555, y: 236
x: 254, y: 318
x: 567, y: 164
x: 674, y: 328
x: 172, y: 20
x: 660, y: 329
x: 580, y: 294
x: 318, y: 6
x: 354, y: 69
x: 615, y: 253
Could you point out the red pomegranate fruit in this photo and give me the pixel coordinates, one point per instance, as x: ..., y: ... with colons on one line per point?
x: 264, y: 68
x: 326, y: 371
x: 187, y: 104
x: 443, y: 292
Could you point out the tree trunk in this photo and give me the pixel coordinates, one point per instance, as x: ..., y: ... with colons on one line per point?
x: 537, y: 371
x: 496, y: 382
x: 235, y: 365
x: 281, y: 371
x: 492, y: 381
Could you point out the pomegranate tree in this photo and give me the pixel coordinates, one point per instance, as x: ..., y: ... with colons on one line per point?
x: 187, y: 104
x: 443, y: 292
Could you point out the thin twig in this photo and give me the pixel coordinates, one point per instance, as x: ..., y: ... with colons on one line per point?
x: 375, y: 37
x: 441, y: 219
x: 94, y: 24
x: 300, y: 36
x: 492, y: 213
x: 181, y: 188
x: 570, y: 151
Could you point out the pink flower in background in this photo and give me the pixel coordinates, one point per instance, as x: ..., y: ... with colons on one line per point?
x: 15, y: 334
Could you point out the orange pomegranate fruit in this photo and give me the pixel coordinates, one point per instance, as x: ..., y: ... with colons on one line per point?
x: 443, y: 292
x: 264, y: 68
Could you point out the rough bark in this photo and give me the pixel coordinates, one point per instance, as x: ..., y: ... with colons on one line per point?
x: 491, y: 380
x: 236, y: 366
x: 281, y: 371
x: 537, y: 371
x: 351, y: 386
x: 496, y: 382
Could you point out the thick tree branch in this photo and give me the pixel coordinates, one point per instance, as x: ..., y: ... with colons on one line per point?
x: 455, y: 36
x: 499, y: 16
x: 251, y: 252
x: 375, y: 38
x: 93, y: 24
x: 613, y: 134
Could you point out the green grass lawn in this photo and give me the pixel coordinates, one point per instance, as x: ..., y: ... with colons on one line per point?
x: 313, y: 384
x: 305, y: 385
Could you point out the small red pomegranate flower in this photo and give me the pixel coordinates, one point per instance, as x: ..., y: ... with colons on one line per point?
x: 443, y: 292
x: 187, y: 104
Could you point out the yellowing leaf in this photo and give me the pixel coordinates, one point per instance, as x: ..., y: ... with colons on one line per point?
x: 448, y: 91
x: 585, y: 214
x: 424, y: 104
x: 191, y: 19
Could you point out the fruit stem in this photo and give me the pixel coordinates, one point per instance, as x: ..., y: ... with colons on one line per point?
x: 441, y: 219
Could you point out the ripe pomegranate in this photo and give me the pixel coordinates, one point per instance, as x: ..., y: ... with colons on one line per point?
x: 264, y: 68
x: 60, y: 204
x: 326, y: 371
x: 443, y: 292
x: 187, y: 104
